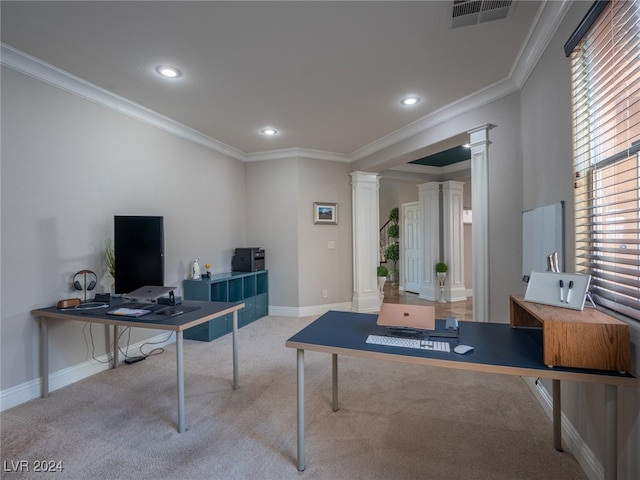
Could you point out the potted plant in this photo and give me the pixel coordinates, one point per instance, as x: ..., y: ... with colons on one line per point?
x: 394, y: 231
x: 382, y: 276
x: 110, y: 262
x: 392, y: 252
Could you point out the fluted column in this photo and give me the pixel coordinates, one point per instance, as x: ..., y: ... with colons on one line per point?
x: 479, y: 141
x: 366, y: 245
x: 429, y: 199
x: 453, y: 240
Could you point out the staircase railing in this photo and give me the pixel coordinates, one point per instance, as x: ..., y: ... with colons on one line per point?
x: 385, y: 240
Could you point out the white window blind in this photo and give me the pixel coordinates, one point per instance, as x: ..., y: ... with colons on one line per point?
x: 605, y: 69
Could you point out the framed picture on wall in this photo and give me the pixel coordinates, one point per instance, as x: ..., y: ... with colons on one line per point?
x: 325, y: 213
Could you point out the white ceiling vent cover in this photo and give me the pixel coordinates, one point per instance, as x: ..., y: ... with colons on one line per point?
x: 474, y: 12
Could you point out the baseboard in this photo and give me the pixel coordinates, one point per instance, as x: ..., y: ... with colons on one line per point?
x: 308, y: 311
x: 571, y: 439
x: 25, y: 392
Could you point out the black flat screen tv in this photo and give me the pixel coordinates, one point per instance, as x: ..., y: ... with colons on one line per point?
x: 139, y: 252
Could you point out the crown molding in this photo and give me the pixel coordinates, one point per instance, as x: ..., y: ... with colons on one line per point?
x: 47, y: 73
x: 430, y: 170
x: 449, y: 112
x: 544, y: 27
x: 297, y: 153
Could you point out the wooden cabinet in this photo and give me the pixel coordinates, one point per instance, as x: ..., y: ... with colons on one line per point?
x: 251, y: 288
x: 572, y: 338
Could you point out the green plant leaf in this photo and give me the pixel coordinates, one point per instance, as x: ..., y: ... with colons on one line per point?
x: 392, y: 252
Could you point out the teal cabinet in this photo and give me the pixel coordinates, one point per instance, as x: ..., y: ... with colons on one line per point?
x: 251, y: 288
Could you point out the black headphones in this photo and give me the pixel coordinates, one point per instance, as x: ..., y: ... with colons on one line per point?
x: 92, y: 284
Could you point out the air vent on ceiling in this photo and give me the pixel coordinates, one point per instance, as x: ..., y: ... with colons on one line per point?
x: 474, y: 12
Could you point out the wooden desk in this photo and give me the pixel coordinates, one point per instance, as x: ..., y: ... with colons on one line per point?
x: 204, y: 311
x: 574, y: 338
x: 498, y: 348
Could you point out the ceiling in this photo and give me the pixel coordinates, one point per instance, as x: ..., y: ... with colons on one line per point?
x: 328, y: 75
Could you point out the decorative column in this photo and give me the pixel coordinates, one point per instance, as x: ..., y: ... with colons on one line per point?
x: 479, y: 141
x: 429, y: 199
x: 366, y: 245
x: 453, y: 240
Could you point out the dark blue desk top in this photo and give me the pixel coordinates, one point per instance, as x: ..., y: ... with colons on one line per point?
x: 498, y: 348
x: 195, y: 313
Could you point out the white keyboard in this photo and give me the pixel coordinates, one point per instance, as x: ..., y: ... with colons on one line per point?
x: 408, y: 343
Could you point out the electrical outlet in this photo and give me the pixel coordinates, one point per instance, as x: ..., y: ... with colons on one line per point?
x: 325, y: 293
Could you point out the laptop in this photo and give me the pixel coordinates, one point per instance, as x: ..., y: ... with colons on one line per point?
x: 417, y: 317
x: 149, y: 293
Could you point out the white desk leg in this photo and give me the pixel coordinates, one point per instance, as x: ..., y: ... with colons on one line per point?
x: 44, y: 358
x: 611, y: 432
x: 300, y: 363
x: 557, y: 416
x: 334, y: 375
x: 180, y: 369
x: 235, y: 349
x: 116, y: 334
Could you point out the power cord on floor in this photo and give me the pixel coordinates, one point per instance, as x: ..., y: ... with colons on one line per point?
x: 91, y: 348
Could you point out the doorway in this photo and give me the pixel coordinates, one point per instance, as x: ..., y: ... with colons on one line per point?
x: 410, y: 242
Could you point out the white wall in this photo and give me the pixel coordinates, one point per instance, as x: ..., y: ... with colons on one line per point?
x: 70, y: 165
x: 548, y: 178
x: 323, y: 268
x: 272, y: 223
x: 280, y: 198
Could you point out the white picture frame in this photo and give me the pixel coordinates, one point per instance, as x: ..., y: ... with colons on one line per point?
x: 325, y: 213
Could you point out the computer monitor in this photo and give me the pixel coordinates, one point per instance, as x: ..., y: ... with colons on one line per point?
x: 139, y: 252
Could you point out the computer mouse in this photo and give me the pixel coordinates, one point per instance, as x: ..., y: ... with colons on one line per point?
x: 462, y: 349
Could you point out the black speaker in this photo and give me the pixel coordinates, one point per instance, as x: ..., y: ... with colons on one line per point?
x: 87, y: 287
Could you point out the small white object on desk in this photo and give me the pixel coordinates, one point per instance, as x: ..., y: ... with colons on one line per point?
x: 195, y: 269
x: 462, y: 349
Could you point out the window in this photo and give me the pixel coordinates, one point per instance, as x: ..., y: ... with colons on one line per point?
x: 605, y: 70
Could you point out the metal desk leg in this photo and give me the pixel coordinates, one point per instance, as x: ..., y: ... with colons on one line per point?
x: 557, y: 416
x: 611, y: 432
x: 180, y: 368
x: 300, y: 363
x: 116, y: 334
x: 235, y: 349
x: 334, y: 374
x: 44, y: 358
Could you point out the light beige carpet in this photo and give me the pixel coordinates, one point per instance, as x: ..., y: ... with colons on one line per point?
x: 396, y: 421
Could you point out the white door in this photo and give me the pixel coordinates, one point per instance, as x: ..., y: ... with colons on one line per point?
x: 411, y: 246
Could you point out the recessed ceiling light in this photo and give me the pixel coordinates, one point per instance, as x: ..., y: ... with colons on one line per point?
x: 269, y: 132
x: 168, y: 71
x: 411, y: 100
